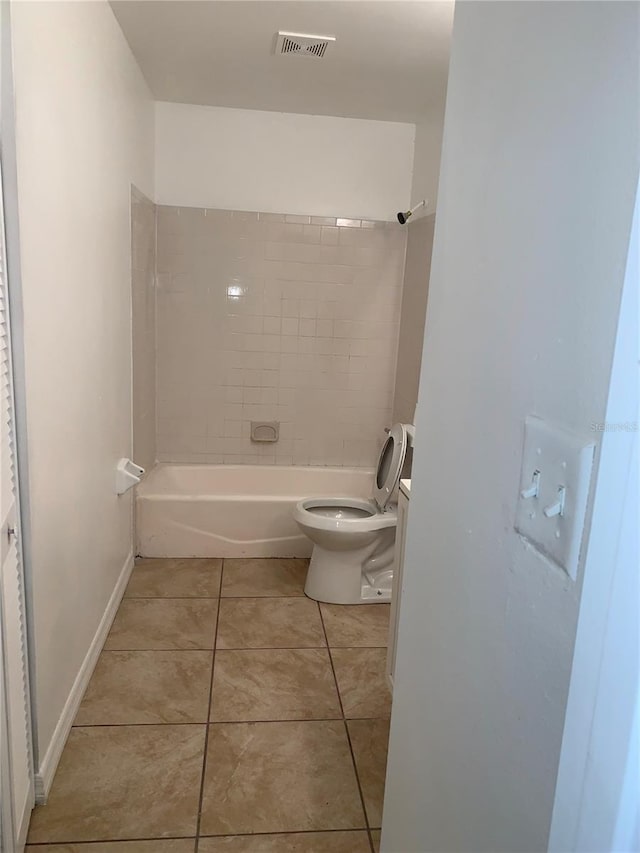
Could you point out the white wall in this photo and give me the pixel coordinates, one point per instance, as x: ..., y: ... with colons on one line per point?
x: 84, y: 132
x: 282, y: 163
x: 426, y: 163
x: 540, y: 164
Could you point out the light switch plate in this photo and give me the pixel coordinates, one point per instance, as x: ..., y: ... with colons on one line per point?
x: 563, y: 462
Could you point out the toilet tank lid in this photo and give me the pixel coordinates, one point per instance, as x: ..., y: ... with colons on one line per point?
x: 390, y: 464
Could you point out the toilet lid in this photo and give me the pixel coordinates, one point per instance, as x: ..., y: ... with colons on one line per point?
x: 390, y: 465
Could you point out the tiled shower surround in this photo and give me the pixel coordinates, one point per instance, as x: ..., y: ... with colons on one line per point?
x: 279, y: 318
x: 143, y: 265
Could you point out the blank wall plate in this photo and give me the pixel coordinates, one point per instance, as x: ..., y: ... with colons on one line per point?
x: 555, y: 477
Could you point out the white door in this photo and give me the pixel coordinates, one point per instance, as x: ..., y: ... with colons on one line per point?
x: 7, y: 832
x: 16, y: 776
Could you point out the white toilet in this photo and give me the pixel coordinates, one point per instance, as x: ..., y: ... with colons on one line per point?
x: 354, y: 539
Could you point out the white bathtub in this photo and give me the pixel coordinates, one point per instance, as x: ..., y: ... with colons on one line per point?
x: 234, y: 510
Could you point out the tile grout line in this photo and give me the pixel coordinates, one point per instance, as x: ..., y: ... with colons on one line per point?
x: 346, y: 728
x: 206, y: 736
x: 171, y: 598
x: 226, y: 722
x: 246, y: 649
x: 290, y: 648
x: 296, y: 596
x: 190, y: 837
x: 46, y: 844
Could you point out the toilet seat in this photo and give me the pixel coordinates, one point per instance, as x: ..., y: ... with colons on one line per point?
x: 343, y: 514
x: 390, y: 464
x: 347, y: 511
x: 333, y: 513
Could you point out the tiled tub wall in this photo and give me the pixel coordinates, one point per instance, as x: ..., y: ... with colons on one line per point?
x: 273, y: 317
x: 413, y: 316
x: 143, y: 265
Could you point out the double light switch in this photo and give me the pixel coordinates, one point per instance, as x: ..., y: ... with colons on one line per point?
x: 554, y: 488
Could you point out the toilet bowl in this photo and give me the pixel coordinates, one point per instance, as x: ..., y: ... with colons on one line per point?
x: 353, y: 539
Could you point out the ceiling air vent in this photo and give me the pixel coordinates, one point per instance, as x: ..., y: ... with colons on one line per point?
x: 299, y: 44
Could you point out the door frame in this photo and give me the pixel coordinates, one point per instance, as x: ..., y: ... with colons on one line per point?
x: 9, y: 189
x: 597, y: 798
x: 14, y: 827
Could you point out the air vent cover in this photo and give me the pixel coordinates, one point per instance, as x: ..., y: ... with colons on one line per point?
x: 299, y: 44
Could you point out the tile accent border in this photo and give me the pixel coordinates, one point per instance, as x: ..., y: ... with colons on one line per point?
x: 47, y: 770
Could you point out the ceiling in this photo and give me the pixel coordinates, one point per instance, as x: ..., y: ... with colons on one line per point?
x: 390, y: 59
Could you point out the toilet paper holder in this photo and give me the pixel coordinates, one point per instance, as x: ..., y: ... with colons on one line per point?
x: 128, y: 474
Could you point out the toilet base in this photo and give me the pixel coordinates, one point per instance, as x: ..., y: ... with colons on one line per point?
x: 350, y: 577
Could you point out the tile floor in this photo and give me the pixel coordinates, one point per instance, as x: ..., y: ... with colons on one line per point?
x: 227, y: 714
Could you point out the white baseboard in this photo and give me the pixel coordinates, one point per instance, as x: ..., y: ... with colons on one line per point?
x: 24, y: 820
x: 45, y: 773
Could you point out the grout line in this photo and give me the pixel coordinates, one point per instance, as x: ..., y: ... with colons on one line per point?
x: 335, y: 679
x: 136, y: 725
x: 294, y: 720
x: 110, y: 840
x: 226, y: 722
x: 171, y: 598
x: 153, y: 651
x: 272, y: 649
x: 297, y: 595
x: 286, y: 832
x: 195, y: 838
x: 249, y: 649
x: 290, y: 648
x: 300, y: 595
x: 210, y: 649
x: 206, y: 737
x: 346, y: 728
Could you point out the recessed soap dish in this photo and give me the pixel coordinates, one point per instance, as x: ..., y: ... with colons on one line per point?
x: 265, y: 430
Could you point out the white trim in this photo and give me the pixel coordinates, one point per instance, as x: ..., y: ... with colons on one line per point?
x: 596, y: 796
x: 16, y: 315
x: 46, y: 771
x: 25, y: 818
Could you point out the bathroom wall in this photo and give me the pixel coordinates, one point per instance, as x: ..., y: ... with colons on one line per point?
x: 143, y: 327
x: 413, y: 316
x: 534, y: 215
x: 280, y: 162
x: 275, y: 317
x: 84, y: 132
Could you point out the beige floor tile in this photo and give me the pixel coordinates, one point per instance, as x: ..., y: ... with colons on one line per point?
x: 375, y: 837
x: 175, y: 579
x: 362, y: 682
x: 124, y: 782
x: 353, y: 625
x: 163, y: 623
x: 279, y: 777
x: 147, y: 687
x: 252, y: 578
x: 269, y: 623
x: 305, y: 842
x: 172, y: 845
x: 274, y: 684
x: 370, y: 740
